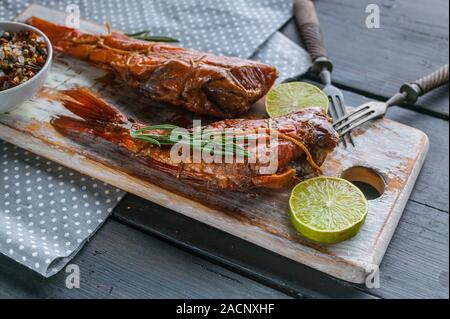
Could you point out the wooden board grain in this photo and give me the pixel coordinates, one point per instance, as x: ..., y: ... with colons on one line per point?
x: 395, y: 151
x: 415, y: 264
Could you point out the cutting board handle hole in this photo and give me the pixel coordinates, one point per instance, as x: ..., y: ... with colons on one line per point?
x: 367, y: 180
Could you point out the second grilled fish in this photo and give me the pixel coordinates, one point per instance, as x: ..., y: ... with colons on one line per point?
x: 305, y: 137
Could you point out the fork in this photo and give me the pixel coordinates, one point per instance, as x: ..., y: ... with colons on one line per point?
x: 409, y: 93
x: 309, y: 27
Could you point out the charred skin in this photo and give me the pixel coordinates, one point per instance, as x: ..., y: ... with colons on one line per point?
x: 101, y: 120
x: 200, y: 82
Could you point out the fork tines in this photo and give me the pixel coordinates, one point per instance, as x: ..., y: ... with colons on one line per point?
x: 338, y: 108
x: 354, y: 119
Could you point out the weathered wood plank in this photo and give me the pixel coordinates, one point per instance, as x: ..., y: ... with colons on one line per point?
x: 415, y: 266
x: 122, y: 262
x: 262, y: 218
x: 259, y: 216
x: 444, y: 203
x: 395, y: 151
x: 412, y: 41
x: 256, y: 262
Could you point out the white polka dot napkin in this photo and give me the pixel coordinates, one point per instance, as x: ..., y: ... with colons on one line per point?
x: 227, y: 27
x: 290, y: 59
x: 47, y: 212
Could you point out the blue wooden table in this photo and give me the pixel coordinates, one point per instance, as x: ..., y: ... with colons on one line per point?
x: 146, y: 251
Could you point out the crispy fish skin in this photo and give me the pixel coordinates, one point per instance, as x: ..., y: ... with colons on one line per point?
x: 100, y: 120
x: 200, y: 82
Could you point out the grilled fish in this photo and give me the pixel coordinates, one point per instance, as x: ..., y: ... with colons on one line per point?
x: 305, y: 137
x: 200, y: 82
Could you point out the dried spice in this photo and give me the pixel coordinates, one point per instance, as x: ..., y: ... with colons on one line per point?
x: 22, y: 56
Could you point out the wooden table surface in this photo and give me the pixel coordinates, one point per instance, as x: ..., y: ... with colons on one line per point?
x: 146, y: 251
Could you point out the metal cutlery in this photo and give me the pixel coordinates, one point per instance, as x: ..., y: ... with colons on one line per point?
x: 308, y: 24
x: 409, y: 93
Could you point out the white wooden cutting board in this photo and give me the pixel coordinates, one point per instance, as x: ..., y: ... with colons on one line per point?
x: 395, y: 151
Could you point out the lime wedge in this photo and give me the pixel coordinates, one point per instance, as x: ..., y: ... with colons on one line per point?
x: 286, y: 98
x: 327, y: 210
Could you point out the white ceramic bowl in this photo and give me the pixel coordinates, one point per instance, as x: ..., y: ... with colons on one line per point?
x: 15, y: 96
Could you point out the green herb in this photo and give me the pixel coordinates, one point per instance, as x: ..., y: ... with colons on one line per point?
x: 140, y: 33
x: 196, y: 140
x: 145, y: 36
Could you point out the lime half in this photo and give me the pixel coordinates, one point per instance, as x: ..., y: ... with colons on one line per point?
x: 286, y: 98
x: 327, y: 209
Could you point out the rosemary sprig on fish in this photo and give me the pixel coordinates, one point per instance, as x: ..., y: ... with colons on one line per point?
x: 217, y: 143
x: 145, y: 35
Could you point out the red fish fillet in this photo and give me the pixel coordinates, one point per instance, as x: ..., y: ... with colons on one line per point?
x: 200, y: 82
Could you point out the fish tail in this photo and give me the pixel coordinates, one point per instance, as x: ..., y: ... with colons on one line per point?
x: 67, y: 125
x: 87, y: 105
x: 87, y: 131
x: 97, y: 119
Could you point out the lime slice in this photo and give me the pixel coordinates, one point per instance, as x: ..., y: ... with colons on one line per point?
x: 327, y: 210
x: 286, y: 98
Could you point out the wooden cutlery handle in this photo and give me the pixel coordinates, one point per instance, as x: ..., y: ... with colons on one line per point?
x: 425, y: 84
x: 308, y: 24
x: 433, y: 80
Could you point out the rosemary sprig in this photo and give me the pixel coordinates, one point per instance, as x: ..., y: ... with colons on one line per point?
x: 145, y: 36
x: 139, y: 33
x: 222, y: 144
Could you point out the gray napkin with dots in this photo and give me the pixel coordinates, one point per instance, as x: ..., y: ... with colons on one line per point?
x: 47, y: 212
